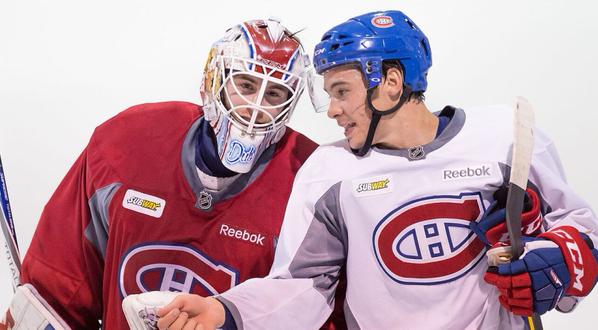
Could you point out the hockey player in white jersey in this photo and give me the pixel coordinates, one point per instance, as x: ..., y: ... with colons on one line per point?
x: 409, y: 203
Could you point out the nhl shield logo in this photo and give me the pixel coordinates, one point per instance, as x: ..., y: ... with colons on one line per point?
x: 428, y: 241
x: 205, y: 200
x: 416, y: 153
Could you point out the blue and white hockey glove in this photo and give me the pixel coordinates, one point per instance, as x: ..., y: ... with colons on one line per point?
x: 492, y: 227
x: 560, y: 261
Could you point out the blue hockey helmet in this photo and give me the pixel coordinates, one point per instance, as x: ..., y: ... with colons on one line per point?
x: 371, y: 38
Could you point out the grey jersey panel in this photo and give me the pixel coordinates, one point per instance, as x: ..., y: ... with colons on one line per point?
x: 242, y: 182
x: 350, y: 318
x: 451, y: 130
x: 97, y: 230
x: 326, y: 239
x: 233, y: 310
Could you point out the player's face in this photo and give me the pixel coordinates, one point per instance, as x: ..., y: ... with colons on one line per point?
x: 346, y: 88
x: 246, y: 98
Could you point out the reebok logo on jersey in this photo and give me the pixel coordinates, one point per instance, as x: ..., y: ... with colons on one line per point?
x: 466, y: 173
x: 372, y: 186
x: 242, y: 234
x: 144, y: 203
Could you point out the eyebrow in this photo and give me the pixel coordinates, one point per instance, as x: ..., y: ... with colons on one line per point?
x: 276, y: 86
x: 334, y: 84
x: 247, y: 77
x: 256, y: 80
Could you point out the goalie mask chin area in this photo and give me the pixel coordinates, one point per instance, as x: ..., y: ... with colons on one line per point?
x: 253, y: 79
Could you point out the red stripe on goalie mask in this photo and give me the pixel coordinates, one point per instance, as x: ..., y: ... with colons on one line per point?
x: 275, y: 53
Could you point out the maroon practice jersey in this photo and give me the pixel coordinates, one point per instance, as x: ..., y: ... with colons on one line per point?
x: 132, y: 215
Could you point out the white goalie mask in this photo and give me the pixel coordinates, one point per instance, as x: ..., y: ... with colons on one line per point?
x: 252, y: 81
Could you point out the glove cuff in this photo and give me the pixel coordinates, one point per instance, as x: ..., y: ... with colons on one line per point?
x: 582, y: 266
x: 531, y: 220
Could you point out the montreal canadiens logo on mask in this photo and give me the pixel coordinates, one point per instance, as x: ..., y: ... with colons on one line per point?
x: 169, y: 267
x: 428, y: 241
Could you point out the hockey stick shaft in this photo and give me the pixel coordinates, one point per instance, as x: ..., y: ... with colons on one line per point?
x: 520, y: 165
x: 8, y: 231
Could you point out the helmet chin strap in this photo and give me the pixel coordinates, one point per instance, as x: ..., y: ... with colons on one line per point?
x: 376, y: 115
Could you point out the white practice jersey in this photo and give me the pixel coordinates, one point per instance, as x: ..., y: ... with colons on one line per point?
x: 398, y: 220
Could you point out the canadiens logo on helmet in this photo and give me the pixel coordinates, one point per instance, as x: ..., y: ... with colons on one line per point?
x: 382, y: 22
x: 428, y: 241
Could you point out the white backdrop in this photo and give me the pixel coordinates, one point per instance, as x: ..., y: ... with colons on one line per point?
x: 67, y: 66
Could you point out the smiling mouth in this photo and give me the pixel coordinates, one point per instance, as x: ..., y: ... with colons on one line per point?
x: 348, y: 127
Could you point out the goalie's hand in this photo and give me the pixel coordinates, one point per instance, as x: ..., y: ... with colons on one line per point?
x: 141, y: 310
x: 560, y: 261
x: 492, y: 227
x: 192, y: 312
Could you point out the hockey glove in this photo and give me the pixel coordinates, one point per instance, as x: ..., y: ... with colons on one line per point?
x: 561, y: 261
x: 141, y: 310
x: 492, y: 227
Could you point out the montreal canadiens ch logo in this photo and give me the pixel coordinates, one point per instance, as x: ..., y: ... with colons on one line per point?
x: 168, y: 267
x: 428, y: 241
x: 382, y: 21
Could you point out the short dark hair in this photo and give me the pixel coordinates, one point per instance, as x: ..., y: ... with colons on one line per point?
x: 419, y: 96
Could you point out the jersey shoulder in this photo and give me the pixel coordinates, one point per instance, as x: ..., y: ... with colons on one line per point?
x: 142, y: 141
x: 331, y: 162
x: 296, y: 147
x: 494, y: 125
x: 149, y: 119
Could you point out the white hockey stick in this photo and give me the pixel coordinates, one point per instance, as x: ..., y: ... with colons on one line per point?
x: 8, y: 231
x: 523, y: 146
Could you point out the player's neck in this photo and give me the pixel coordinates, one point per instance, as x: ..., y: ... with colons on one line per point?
x: 412, y: 125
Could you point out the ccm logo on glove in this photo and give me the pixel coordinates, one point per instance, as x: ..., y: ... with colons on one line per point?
x: 569, y: 240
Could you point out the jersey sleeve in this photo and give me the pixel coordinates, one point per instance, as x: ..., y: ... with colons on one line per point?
x: 65, y: 259
x: 309, y: 256
x: 562, y: 206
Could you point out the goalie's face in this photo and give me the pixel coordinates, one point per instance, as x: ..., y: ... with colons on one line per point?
x: 252, y: 100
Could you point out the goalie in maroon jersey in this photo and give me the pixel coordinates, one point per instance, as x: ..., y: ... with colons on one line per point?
x: 164, y: 196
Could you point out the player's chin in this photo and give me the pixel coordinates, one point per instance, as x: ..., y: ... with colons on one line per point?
x: 355, y: 143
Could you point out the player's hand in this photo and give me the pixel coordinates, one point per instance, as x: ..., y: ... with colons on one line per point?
x: 560, y: 261
x: 492, y: 227
x: 189, y: 311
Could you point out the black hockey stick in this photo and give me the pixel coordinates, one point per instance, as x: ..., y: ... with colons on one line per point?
x: 523, y: 145
x: 8, y: 229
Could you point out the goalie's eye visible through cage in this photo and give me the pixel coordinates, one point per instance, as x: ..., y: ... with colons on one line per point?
x: 257, y: 96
